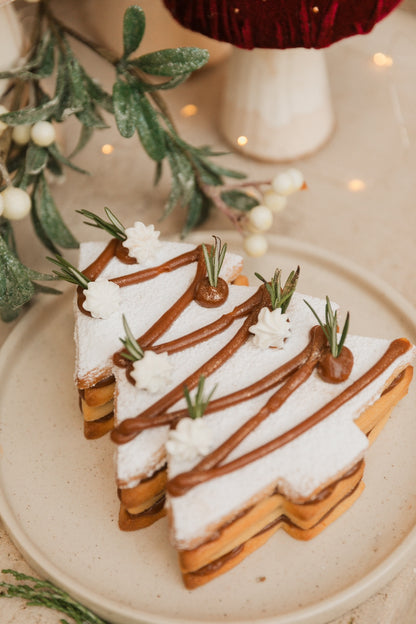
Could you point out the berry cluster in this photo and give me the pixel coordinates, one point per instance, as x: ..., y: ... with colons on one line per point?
x: 15, y: 203
x: 274, y: 200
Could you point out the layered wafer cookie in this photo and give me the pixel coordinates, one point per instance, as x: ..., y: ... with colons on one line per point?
x: 291, y: 458
x: 141, y: 284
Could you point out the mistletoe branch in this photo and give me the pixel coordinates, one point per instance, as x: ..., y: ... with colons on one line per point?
x: 30, y: 155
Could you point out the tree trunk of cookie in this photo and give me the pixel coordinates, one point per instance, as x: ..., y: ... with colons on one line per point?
x: 277, y: 103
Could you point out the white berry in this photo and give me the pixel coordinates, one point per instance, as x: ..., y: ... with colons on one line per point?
x: 43, y: 133
x: 288, y: 182
x: 1, y: 205
x: 275, y: 202
x: 16, y: 203
x: 21, y: 134
x: 260, y: 219
x: 255, y: 245
x: 3, y: 125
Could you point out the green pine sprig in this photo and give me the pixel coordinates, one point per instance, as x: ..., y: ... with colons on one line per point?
x: 330, y: 327
x: 113, y: 226
x: 133, y: 352
x: 197, y: 407
x: 280, y: 296
x: 214, y: 260
x: 38, y: 593
x: 68, y: 272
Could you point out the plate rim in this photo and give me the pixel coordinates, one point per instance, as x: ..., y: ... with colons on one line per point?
x: 328, y: 608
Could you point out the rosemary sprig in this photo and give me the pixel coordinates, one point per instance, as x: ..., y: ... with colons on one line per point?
x: 330, y: 327
x: 214, y: 260
x: 44, y: 594
x: 280, y: 297
x: 68, y: 272
x: 133, y: 352
x: 113, y: 226
x: 197, y: 407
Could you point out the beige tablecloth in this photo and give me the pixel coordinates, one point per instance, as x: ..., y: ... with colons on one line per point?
x: 374, y: 141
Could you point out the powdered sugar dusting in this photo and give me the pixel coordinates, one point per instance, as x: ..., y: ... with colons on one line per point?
x: 315, y: 458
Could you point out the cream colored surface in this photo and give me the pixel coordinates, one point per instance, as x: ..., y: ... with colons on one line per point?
x: 374, y: 141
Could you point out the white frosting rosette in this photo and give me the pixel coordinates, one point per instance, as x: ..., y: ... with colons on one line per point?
x: 142, y: 242
x: 153, y: 372
x: 102, y: 298
x: 191, y: 439
x: 272, y: 328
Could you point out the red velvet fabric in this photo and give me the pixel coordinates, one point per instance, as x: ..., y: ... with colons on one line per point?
x: 280, y: 23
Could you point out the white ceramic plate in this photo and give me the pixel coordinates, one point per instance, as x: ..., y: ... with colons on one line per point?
x: 59, y: 504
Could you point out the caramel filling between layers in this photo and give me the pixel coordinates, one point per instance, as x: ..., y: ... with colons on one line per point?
x: 218, y: 564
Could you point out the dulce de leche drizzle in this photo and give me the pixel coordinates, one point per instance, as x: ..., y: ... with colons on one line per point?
x: 244, y: 394
x: 209, y: 467
x: 131, y: 427
x: 115, y: 249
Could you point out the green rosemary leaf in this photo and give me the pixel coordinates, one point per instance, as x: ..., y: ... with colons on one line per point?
x: 37, y: 592
x: 68, y: 272
x: 172, y: 61
x: 289, y: 288
x: 36, y: 159
x: 49, y: 217
x: 148, y: 128
x: 197, y: 407
x: 330, y: 327
x: 54, y: 151
x: 344, y: 333
x: 214, y: 259
x: 16, y: 288
x: 116, y: 222
x: 239, y: 200
x: 134, y: 25
x: 85, y: 135
x: 124, y: 108
x: 261, y: 278
x: 188, y: 400
x: 323, y: 325
x: 134, y: 350
x: 208, y: 264
x: 113, y: 226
